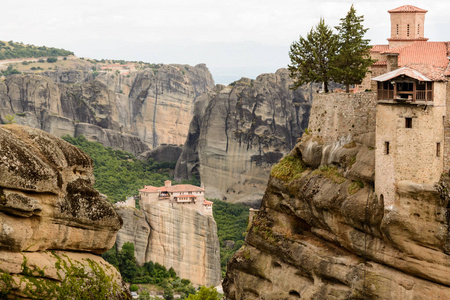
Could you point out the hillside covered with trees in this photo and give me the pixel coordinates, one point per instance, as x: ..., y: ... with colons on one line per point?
x: 118, y: 174
x: 11, y: 50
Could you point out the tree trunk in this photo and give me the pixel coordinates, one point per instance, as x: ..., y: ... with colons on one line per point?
x: 325, y: 87
x: 347, y: 88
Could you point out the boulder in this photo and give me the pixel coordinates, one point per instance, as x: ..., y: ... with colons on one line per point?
x: 49, y: 212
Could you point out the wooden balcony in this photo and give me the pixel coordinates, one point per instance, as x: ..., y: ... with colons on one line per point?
x: 405, y: 92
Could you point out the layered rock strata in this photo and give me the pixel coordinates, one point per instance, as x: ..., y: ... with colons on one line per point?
x: 322, y: 233
x: 133, y: 112
x: 52, y: 219
x: 174, y: 236
x: 238, y: 132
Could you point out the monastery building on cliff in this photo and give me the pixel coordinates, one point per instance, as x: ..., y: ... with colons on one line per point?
x: 180, y: 194
x: 413, y: 102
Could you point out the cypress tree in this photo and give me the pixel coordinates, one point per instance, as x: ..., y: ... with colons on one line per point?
x: 353, y: 60
x: 311, y: 56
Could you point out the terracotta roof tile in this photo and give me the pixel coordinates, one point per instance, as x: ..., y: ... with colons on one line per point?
x: 173, y: 188
x: 407, y: 8
x: 431, y: 53
x: 379, y: 48
x: 206, y: 202
x: 432, y: 72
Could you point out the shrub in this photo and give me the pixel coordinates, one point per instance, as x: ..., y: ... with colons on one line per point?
x: 52, y: 59
x: 288, y: 168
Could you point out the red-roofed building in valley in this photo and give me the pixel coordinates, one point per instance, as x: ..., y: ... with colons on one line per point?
x: 176, y: 194
x: 413, y: 107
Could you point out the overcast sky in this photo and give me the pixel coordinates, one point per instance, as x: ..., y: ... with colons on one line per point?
x: 235, y: 38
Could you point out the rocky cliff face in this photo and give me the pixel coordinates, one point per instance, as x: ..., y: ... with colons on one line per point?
x: 174, y: 236
x: 132, y: 112
x: 51, y: 219
x: 322, y: 233
x: 238, y: 132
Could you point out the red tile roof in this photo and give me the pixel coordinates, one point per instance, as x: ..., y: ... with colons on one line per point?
x: 206, y: 202
x: 172, y: 189
x: 434, y: 73
x: 379, y: 48
x: 407, y: 8
x: 430, y: 53
x: 184, y: 196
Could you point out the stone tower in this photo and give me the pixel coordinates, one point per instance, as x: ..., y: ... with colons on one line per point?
x: 407, y: 25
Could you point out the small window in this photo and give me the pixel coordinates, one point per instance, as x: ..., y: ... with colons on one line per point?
x: 438, y: 149
x: 407, y: 30
x: 418, y: 29
x: 408, y: 122
x: 386, y: 148
x: 397, y: 29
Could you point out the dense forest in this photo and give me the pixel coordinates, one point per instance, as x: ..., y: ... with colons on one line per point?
x: 232, y: 220
x: 9, y: 50
x: 118, y: 174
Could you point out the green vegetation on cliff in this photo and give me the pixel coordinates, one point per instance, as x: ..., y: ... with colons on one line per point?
x: 76, y: 280
x: 149, y: 273
x: 231, y: 222
x: 10, y: 50
x: 288, y: 168
x: 118, y: 174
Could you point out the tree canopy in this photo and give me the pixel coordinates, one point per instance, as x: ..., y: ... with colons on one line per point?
x: 324, y: 56
x: 118, y: 174
x: 353, y: 59
x: 311, y: 56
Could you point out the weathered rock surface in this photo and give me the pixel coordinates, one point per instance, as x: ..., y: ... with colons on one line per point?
x: 163, y: 153
x: 174, y: 236
x: 135, y: 230
x: 47, y: 203
x: 323, y: 234
x: 131, y: 112
x: 238, y: 132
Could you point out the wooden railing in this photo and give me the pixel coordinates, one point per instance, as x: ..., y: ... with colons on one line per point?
x: 419, y: 95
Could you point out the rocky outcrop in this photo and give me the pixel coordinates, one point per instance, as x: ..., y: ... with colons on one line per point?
x: 132, y: 112
x: 163, y: 153
x: 51, y: 217
x: 174, y: 236
x: 322, y: 233
x: 238, y: 132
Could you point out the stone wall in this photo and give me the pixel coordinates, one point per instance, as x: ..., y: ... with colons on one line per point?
x: 446, y: 152
x: 412, y: 151
x: 337, y: 116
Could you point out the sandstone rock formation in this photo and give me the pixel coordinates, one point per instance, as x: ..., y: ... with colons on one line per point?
x: 322, y: 233
x: 174, y: 236
x: 131, y: 112
x: 238, y: 132
x: 51, y: 219
x: 163, y: 153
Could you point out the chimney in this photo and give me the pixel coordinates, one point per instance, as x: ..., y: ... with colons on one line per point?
x: 167, y: 183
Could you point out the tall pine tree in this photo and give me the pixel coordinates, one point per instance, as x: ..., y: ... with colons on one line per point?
x: 311, y: 57
x: 353, y: 60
